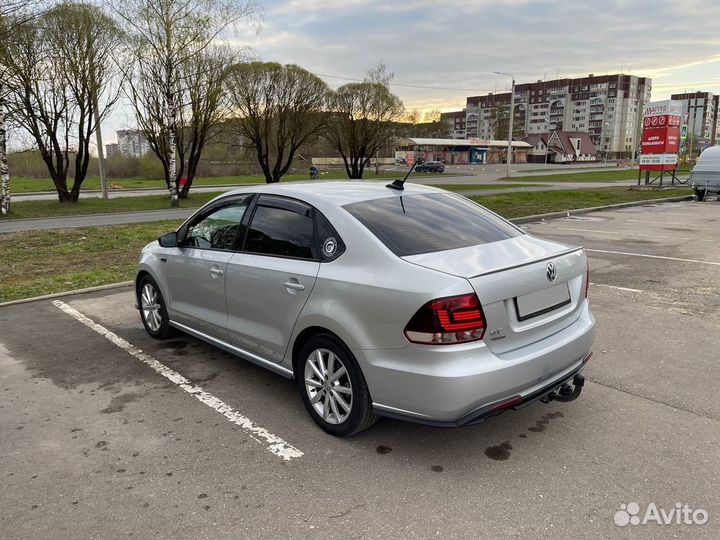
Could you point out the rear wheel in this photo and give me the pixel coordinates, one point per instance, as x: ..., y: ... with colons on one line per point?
x: 333, y: 388
x: 153, y: 311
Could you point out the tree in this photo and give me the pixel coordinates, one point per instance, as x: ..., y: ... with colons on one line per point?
x: 58, y: 65
x: 166, y: 38
x: 279, y: 109
x: 12, y: 14
x: 360, y: 121
x: 500, y: 121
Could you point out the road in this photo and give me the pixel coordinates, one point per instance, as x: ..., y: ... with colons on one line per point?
x: 97, y: 443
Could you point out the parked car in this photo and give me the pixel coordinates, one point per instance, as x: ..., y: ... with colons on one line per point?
x: 412, y: 303
x: 705, y: 176
x: 431, y: 166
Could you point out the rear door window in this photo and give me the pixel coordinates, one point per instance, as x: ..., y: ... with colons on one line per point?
x: 281, y: 228
x: 415, y: 224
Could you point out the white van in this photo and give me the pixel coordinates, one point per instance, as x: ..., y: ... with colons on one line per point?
x: 705, y: 177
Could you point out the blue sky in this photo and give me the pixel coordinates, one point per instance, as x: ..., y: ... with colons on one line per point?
x: 458, y: 45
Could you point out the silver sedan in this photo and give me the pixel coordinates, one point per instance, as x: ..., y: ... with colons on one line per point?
x: 413, y: 303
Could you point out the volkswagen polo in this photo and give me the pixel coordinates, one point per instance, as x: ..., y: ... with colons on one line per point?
x: 401, y: 300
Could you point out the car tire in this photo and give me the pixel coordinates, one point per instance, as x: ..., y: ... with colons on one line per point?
x: 700, y: 194
x: 338, y: 412
x: 153, y: 310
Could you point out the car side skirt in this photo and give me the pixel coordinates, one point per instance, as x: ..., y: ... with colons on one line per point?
x: 237, y: 351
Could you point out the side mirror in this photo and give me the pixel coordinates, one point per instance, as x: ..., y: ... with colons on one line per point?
x: 168, y: 240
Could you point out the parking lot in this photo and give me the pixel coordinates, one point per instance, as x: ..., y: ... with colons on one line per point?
x: 108, y: 433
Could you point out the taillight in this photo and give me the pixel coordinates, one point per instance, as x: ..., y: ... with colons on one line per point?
x: 455, y: 319
x: 587, y: 279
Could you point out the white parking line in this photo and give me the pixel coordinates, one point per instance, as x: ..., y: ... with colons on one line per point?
x: 623, y: 233
x: 653, y: 256
x: 626, y: 289
x: 275, y: 444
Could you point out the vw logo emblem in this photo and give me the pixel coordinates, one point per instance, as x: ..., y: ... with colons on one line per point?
x: 550, y: 271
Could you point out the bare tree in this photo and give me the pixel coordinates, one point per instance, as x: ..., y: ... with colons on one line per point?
x: 205, y: 106
x: 279, y: 109
x: 361, y: 119
x: 57, y: 66
x: 12, y: 14
x: 165, y: 37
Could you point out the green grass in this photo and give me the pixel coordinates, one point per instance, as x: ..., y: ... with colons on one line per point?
x: 37, y: 209
x: 515, y: 205
x: 43, y: 262
x: 610, y: 175
x: 478, y: 187
x: 27, y: 185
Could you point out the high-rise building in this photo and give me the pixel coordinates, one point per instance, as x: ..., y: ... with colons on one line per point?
x: 700, y: 114
x: 454, y: 123
x: 132, y: 142
x: 607, y: 107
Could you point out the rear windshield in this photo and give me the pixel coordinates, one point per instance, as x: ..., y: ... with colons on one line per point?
x: 414, y: 224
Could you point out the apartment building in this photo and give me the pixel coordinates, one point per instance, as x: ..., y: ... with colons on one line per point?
x: 132, y: 142
x: 700, y: 114
x: 607, y: 107
x: 454, y: 123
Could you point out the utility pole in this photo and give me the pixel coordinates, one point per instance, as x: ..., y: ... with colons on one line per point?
x: 510, y: 127
x: 98, y: 134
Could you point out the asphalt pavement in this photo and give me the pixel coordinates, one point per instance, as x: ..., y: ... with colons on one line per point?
x: 101, y: 439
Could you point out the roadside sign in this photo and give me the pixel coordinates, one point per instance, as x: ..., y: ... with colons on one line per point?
x: 661, y: 135
x: 683, y: 133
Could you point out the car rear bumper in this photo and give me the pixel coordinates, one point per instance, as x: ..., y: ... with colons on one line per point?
x: 464, y: 384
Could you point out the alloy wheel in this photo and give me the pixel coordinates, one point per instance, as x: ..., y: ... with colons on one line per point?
x: 328, y: 386
x: 150, y: 304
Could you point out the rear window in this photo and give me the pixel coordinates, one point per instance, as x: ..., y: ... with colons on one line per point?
x: 414, y: 224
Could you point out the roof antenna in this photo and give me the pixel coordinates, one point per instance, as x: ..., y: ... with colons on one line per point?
x: 399, y: 184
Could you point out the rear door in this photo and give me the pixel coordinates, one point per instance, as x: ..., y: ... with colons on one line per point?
x: 196, y: 269
x: 269, y: 280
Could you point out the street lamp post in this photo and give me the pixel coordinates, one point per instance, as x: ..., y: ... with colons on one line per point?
x: 510, y: 127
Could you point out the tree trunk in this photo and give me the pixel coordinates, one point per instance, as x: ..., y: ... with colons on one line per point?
x: 172, y: 166
x: 4, y: 172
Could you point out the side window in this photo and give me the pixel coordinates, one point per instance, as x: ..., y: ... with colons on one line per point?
x: 218, y: 229
x: 331, y: 245
x: 280, y: 231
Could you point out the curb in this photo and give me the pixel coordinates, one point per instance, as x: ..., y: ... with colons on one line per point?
x: 580, y: 211
x: 117, y: 285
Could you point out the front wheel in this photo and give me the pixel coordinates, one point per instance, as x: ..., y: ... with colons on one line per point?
x: 700, y: 194
x: 153, y: 310
x: 333, y: 388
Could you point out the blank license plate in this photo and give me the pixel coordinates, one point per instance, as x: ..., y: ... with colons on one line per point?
x: 544, y: 301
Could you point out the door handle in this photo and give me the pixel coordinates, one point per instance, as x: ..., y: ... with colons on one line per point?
x: 215, y: 271
x: 294, y: 286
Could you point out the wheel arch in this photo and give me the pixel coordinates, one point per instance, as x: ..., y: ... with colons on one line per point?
x: 306, y: 335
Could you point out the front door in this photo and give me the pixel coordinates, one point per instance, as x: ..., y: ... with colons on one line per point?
x: 196, y: 269
x: 271, y: 278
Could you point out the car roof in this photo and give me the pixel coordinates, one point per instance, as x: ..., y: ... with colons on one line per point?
x: 338, y: 193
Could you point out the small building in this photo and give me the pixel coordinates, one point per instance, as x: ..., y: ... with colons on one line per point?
x: 462, y: 151
x: 561, y: 147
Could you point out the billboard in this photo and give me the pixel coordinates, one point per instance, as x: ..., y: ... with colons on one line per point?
x: 661, y: 135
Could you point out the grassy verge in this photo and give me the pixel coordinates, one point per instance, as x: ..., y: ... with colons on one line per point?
x: 532, y: 203
x: 611, y: 175
x: 27, y: 185
x: 43, y: 262
x: 37, y: 209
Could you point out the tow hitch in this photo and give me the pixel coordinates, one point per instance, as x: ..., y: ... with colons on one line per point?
x: 567, y: 392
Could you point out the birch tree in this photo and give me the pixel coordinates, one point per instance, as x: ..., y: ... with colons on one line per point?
x: 165, y: 36
x: 279, y: 109
x: 12, y: 13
